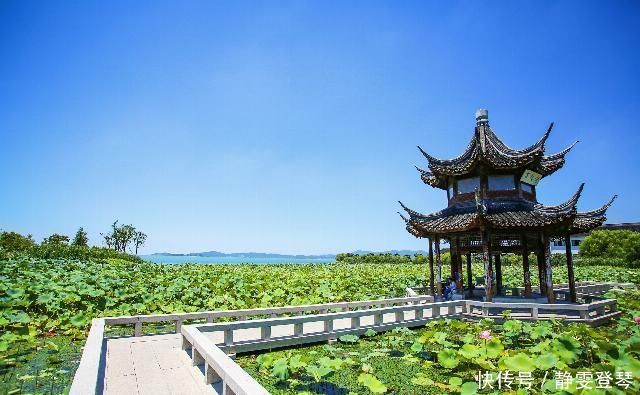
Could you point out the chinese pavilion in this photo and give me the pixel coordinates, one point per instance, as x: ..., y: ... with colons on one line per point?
x: 493, y: 209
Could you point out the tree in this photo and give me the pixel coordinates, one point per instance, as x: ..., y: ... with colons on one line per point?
x: 56, y: 239
x: 139, y: 239
x: 621, y: 244
x: 15, y: 242
x: 80, y: 239
x: 121, y: 236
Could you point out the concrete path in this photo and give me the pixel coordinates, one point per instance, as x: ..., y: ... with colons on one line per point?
x: 157, y: 365
x: 151, y: 365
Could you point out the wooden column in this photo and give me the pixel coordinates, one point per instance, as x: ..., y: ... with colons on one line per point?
x: 438, y: 267
x: 492, y: 271
x: 547, y: 269
x: 572, y: 280
x: 431, y: 285
x: 488, y: 275
x: 459, y: 270
x: 498, y: 273
x: 540, y: 258
x: 456, y: 263
x: 525, y: 267
x: 470, y: 282
x: 453, y: 252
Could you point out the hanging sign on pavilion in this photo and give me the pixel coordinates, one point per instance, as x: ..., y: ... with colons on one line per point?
x: 531, y: 177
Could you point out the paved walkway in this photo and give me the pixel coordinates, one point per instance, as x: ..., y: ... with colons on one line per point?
x: 157, y: 365
x: 152, y: 365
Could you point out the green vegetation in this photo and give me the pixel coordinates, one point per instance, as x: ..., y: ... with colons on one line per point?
x: 46, y: 301
x: 619, y: 245
x: 57, y: 246
x: 121, y: 237
x: 387, y: 258
x: 50, y: 291
x: 446, y: 356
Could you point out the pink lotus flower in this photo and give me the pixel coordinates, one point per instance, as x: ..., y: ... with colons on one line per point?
x: 486, y: 335
x: 636, y: 320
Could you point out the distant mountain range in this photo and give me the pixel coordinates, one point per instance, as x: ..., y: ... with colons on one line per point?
x: 210, y: 254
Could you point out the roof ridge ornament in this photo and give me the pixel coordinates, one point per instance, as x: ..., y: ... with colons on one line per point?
x: 482, y: 116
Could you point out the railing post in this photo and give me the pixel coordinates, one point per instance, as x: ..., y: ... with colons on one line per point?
x: 534, y: 312
x: 211, y: 376
x: 137, y: 329
x: 399, y: 316
x: 328, y: 325
x: 178, y: 326
x: 451, y: 309
x: 435, y: 311
x: 185, y: 343
x: 298, y: 329
x: 419, y: 313
x: 377, y: 319
x: 355, y: 322
x: 584, y: 314
x: 228, y: 337
x: 265, y: 332
x: 196, y: 357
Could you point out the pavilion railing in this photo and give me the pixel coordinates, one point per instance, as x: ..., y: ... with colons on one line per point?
x: 594, y: 313
x: 588, y: 289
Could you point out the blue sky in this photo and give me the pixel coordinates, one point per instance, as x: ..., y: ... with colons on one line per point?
x: 291, y: 126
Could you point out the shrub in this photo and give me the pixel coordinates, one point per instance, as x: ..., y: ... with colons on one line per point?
x: 606, y: 261
x: 418, y: 259
x: 12, y: 242
x: 13, y: 245
x: 614, y: 244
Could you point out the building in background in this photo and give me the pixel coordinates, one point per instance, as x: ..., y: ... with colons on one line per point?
x: 557, y: 246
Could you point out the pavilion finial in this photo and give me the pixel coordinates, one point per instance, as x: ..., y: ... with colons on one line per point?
x: 482, y: 116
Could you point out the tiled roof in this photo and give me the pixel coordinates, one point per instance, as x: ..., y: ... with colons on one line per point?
x: 506, y: 214
x: 486, y: 148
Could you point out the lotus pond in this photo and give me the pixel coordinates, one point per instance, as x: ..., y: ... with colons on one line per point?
x: 46, y: 305
x: 447, y: 355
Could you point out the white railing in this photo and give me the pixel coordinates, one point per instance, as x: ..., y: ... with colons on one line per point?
x: 422, y: 313
x: 242, y: 315
x: 587, y: 288
x: 87, y: 377
x: 593, y: 313
x: 218, y: 366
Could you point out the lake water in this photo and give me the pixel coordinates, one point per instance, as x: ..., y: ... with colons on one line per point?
x: 229, y: 260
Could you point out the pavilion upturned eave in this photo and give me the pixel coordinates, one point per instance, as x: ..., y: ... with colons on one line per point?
x: 486, y: 149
